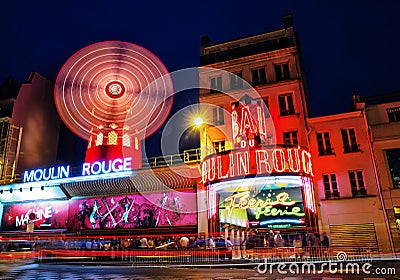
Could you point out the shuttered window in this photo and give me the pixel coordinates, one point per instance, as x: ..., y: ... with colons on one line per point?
x: 354, y: 235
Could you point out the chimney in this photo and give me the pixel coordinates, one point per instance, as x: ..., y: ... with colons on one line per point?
x: 287, y: 20
x: 205, y: 41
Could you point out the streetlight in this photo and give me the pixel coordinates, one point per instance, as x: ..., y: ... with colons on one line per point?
x: 198, y: 121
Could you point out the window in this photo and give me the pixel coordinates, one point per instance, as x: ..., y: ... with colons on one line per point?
x: 357, y: 183
x: 90, y: 141
x: 112, y: 138
x: 393, y: 114
x: 219, y: 146
x: 324, y: 143
x: 282, y: 72
x: 218, y: 115
x: 396, y: 211
x: 258, y: 76
x: 99, y: 139
x: 290, y: 138
x: 349, y: 140
x: 393, y: 159
x: 126, y: 140
x: 266, y: 109
x: 330, y: 186
x: 286, y: 106
x: 236, y: 81
x: 216, y: 84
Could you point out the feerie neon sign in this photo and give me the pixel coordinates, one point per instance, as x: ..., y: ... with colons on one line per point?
x: 253, y: 162
x: 265, y: 207
x: 94, y: 168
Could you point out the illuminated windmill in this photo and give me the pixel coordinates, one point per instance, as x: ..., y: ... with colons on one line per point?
x: 113, y: 94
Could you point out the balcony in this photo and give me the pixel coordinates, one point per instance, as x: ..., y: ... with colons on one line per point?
x: 353, y: 148
x: 331, y: 195
x: 325, y: 152
x: 359, y: 193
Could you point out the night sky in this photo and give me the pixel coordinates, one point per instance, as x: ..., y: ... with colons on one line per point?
x: 348, y: 47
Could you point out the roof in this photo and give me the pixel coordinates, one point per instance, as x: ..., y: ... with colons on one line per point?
x: 381, y: 98
x: 182, y: 177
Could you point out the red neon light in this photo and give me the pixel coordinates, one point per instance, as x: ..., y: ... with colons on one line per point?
x: 212, y: 202
x: 309, y: 194
x: 294, y: 160
x: 261, y: 160
x: 248, y: 123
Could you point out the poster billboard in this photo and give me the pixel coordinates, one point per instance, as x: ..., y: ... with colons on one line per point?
x: 158, y: 209
x: 44, y: 215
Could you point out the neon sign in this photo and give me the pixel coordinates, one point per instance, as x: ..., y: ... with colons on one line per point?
x: 104, y: 167
x: 265, y: 207
x: 263, y: 203
x: 46, y: 174
x: 255, y: 162
x: 88, y: 169
x: 248, y: 125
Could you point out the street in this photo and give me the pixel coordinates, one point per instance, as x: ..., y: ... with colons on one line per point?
x: 70, y: 272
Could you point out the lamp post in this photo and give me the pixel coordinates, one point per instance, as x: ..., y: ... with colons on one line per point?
x: 211, y: 221
x: 198, y: 122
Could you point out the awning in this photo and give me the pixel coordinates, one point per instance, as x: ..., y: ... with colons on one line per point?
x: 143, y: 180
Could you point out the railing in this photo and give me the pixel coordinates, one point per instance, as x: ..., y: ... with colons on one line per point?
x: 187, y: 157
x: 212, y: 256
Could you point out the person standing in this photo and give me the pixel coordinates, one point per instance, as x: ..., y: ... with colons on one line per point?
x: 324, y: 240
x: 184, y: 241
x: 229, y: 247
x: 210, y: 243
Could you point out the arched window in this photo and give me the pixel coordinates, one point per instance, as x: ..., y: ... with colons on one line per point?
x: 99, y: 139
x: 136, y: 143
x: 90, y: 142
x: 126, y: 140
x: 112, y: 138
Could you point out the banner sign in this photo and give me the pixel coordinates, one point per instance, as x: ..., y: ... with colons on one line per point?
x: 43, y: 215
x: 159, y: 209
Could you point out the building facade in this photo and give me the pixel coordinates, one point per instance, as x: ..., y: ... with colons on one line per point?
x: 383, y: 115
x: 270, y: 63
x: 34, y: 110
x: 256, y: 169
x: 350, y: 208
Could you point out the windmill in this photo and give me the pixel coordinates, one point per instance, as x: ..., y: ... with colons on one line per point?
x: 113, y: 94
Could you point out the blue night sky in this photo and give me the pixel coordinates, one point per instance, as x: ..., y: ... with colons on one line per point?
x: 348, y: 47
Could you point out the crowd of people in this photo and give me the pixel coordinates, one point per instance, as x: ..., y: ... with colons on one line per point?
x: 273, y: 239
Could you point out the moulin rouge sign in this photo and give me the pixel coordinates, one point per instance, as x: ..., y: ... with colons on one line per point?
x: 251, y: 157
x: 95, y: 168
x: 262, y: 160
